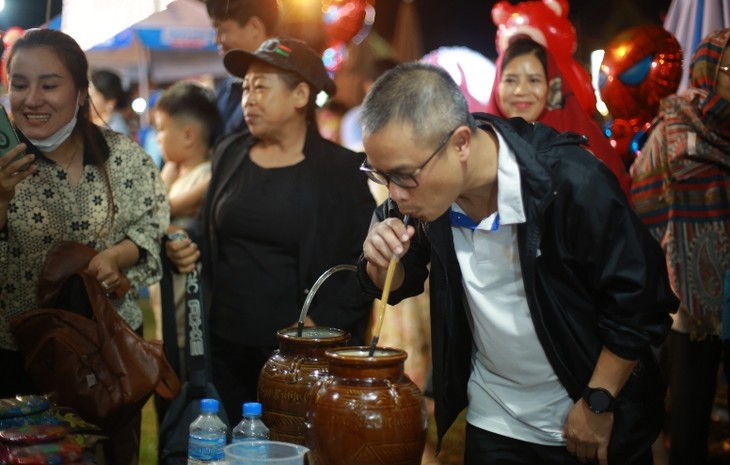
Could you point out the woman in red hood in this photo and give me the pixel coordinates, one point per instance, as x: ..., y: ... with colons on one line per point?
x: 529, y: 85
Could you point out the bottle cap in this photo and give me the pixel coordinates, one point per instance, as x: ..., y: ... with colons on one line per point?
x: 209, y: 405
x: 251, y: 408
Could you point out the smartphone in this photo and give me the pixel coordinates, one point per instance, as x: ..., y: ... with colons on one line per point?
x: 8, y: 138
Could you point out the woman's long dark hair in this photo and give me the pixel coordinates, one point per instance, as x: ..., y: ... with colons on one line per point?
x: 74, y: 60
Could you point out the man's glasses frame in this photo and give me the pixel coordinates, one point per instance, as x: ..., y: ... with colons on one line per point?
x: 407, y: 180
x: 724, y: 69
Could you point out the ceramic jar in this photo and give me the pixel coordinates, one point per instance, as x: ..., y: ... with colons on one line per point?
x: 366, y: 411
x: 288, y: 376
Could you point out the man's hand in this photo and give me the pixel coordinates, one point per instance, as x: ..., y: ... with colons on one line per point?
x: 385, y: 240
x: 588, y: 433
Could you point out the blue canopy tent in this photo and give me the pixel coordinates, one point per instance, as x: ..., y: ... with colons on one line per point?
x: 175, y: 43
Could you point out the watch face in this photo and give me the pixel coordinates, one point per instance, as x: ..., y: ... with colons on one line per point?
x: 599, y: 401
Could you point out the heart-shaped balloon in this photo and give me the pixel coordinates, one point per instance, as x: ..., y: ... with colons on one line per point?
x: 343, y: 19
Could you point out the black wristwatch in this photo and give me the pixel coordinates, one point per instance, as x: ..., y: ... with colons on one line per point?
x: 598, y: 400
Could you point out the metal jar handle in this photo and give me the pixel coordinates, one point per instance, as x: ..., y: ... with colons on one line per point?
x: 313, y: 291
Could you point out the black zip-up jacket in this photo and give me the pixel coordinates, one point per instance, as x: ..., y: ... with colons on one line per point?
x: 593, y: 276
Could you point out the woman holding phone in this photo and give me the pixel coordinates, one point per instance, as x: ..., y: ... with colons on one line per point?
x: 85, y: 184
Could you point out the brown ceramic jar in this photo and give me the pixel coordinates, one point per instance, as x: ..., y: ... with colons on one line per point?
x: 366, y: 411
x: 288, y: 375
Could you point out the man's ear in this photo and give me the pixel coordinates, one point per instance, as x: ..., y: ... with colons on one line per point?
x: 462, y: 141
x: 257, y: 29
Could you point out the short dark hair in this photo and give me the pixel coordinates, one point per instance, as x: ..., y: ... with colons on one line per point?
x: 109, y: 84
x: 421, y: 95
x: 242, y: 10
x: 190, y: 100
x: 524, y: 46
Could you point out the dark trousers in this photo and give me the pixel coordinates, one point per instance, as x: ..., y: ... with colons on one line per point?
x: 236, y: 370
x: 693, y: 369
x: 485, y: 448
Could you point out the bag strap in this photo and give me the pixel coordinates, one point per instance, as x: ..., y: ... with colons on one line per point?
x: 169, y: 325
x: 196, y: 333
x: 169, y: 385
x: 104, y: 312
x: 196, y: 328
x: 63, y: 260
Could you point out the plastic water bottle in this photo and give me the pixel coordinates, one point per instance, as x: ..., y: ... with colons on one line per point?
x: 251, y: 428
x: 207, y: 436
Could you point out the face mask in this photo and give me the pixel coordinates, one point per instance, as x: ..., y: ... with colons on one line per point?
x: 54, y: 141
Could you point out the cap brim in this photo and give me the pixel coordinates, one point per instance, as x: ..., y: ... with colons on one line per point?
x: 237, y: 62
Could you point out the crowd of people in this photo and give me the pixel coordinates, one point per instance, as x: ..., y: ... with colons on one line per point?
x: 566, y: 291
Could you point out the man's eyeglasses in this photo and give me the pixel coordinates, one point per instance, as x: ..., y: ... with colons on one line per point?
x: 724, y: 69
x: 403, y: 179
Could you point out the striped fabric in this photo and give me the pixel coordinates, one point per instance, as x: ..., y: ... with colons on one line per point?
x: 681, y: 187
x: 704, y: 73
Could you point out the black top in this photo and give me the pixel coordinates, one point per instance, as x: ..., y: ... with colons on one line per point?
x: 332, y: 209
x: 258, y: 255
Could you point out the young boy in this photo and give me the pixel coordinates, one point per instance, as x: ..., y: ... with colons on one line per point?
x: 185, y: 118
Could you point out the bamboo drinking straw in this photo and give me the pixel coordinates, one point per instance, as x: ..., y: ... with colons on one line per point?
x: 384, y: 298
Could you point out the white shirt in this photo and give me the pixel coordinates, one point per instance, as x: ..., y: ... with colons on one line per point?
x: 513, y: 391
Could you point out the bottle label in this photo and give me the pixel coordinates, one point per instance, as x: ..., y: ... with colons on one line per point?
x: 206, y: 448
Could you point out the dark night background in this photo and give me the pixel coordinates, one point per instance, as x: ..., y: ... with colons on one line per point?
x: 447, y: 22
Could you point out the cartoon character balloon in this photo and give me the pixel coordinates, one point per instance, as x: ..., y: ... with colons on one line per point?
x: 546, y: 22
x: 640, y: 66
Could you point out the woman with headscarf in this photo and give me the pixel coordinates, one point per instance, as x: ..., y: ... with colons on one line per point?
x: 681, y: 190
x: 528, y: 84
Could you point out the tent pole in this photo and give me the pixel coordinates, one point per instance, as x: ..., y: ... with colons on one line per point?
x: 144, y: 82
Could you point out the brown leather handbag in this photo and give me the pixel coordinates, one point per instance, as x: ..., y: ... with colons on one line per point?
x: 78, y: 346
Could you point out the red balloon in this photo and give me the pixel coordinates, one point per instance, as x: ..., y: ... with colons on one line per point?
x: 546, y: 22
x: 343, y: 19
x: 627, y: 137
x: 640, y: 66
x: 580, y: 81
x: 9, y: 37
x: 12, y: 34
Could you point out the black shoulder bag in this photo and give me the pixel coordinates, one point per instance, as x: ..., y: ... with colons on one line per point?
x: 185, y: 408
